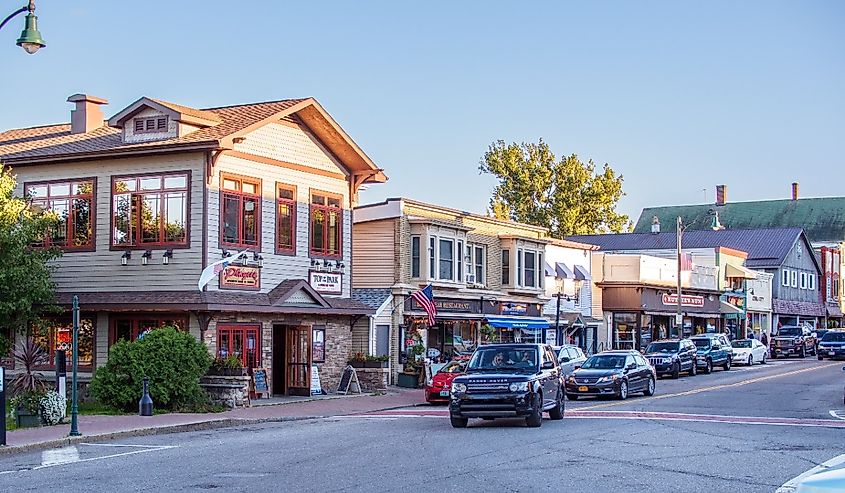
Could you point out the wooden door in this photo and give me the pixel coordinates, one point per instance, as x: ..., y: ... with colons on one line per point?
x: 298, y: 349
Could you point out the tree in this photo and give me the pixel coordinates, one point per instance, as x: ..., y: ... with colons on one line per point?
x: 567, y: 196
x: 26, y: 286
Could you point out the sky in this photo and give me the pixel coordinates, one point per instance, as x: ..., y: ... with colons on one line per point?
x: 676, y: 96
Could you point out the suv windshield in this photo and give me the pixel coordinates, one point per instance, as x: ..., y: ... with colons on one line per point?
x: 504, y: 359
x: 453, y: 367
x: 702, y: 343
x: 604, y: 362
x: 834, y: 337
x: 662, y: 347
x: 790, y: 331
x: 743, y: 343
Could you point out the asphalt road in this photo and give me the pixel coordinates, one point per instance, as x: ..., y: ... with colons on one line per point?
x: 749, y: 430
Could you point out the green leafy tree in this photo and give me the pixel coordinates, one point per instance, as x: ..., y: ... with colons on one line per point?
x: 567, y: 196
x: 26, y: 286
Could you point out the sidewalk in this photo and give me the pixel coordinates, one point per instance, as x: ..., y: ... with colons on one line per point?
x: 99, y: 427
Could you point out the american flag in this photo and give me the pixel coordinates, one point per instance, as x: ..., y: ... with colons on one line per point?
x: 425, y: 298
x: 686, y: 262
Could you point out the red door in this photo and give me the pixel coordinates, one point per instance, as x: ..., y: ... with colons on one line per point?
x: 298, y: 351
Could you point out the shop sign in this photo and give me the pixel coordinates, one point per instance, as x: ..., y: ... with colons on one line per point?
x: 737, y: 301
x: 686, y: 300
x: 464, y: 306
x: 513, y: 308
x: 551, y: 337
x: 324, y: 282
x: 240, y: 277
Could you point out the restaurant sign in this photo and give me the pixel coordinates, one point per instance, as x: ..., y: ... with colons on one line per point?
x: 327, y: 283
x: 447, y: 305
x: 513, y: 308
x: 686, y: 300
x: 240, y: 277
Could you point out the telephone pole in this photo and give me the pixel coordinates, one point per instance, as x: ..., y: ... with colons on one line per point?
x: 679, y: 317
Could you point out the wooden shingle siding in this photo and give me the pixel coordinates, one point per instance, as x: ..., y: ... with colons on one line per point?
x: 374, y: 253
x: 285, y: 141
x: 278, y: 268
x: 100, y: 270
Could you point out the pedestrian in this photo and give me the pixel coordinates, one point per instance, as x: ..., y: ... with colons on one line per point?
x: 764, y: 339
x: 751, y: 334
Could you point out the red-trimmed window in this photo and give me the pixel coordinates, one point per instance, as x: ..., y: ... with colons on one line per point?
x: 150, y: 210
x: 73, y: 203
x: 285, y: 218
x: 57, y: 333
x: 240, y: 211
x: 128, y: 328
x: 326, y: 224
x: 241, y: 341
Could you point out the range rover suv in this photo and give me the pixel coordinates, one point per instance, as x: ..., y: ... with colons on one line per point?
x: 508, y: 380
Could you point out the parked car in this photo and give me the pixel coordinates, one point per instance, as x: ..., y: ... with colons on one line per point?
x: 616, y: 373
x: 671, y: 357
x: 569, y: 358
x: 713, y: 350
x: 792, y: 340
x: 508, y: 380
x: 749, y: 351
x: 439, y: 389
x: 832, y: 345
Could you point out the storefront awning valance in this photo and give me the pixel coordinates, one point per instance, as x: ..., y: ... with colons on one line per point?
x: 739, y: 272
x: 504, y: 322
x: 728, y: 309
x: 581, y: 273
x: 563, y: 272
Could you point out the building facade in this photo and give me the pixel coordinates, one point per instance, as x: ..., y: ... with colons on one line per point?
x: 487, y: 277
x: 149, y: 198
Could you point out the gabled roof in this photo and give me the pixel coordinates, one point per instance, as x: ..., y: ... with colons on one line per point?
x: 372, y: 297
x: 766, y: 248
x: 54, y: 143
x: 823, y: 219
x: 176, y: 111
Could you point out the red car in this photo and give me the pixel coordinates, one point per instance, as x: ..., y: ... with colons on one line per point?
x: 441, y: 383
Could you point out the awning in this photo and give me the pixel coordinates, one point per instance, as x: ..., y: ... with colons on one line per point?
x: 563, y: 272
x: 549, y: 271
x: 833, y: 311
x: 581, y: 273
x: 739, y: 272
x: 505, y: 322
x: 726, y: 308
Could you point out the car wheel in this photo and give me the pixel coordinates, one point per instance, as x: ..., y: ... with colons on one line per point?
x: 803, y: 353
x: 820, y: 357
x: 693, y: 369
x: 572, y: 397
x: 727, y: 365
x: 623, y: 391
x: 557, y: 411
x: 676, y: 370
x: 536, y: 417
x: 750, y: 359
x: 649, y: 388
x: 708, y: 367
x: 815, y: 350
x: 458, y: 422
x: 774, y: 355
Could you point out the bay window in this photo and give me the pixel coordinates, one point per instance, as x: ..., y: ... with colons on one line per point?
x: 326, y: 224
x: 446, y: 256
x: 476, y: 269
x: 240, y: 211
x: 285, y: 219
x: 73, y: 203
x: 506, y: 267
x: 529, y: 269
x: 415, y: 256
x: 150, y: 210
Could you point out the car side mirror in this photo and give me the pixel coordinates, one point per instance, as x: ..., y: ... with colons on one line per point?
x: 578, y: 365
x: 564, y: 359
x: 548, y: 365
x: 631, y: 366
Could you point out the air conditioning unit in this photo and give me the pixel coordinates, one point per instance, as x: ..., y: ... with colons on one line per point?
x: 470, y: 278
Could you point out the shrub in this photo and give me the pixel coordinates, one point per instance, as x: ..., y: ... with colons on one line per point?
x: 28, y: 401
x: 53, y: 407
x: 173, y: 360
x: 28, y: 356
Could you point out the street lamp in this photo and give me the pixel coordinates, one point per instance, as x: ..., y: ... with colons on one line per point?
x: 30, y: 40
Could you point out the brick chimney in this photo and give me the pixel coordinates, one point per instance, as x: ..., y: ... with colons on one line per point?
x: 795, y: 190
x: 87, y: 115
x: 721, y: 194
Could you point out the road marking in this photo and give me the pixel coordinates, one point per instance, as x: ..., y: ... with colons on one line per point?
x: 791, y: 485
x: 837, y: 414
x: 70, y: 455
x: 59, y: 456
x: 715, y: 387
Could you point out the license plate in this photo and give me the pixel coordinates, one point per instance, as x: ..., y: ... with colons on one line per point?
x: 444, y: 393
x: 583, y: 389
x: 832, y: 353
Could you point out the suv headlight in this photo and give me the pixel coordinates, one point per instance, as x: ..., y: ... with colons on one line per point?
x: 609, y: 378
x: 519, y: 387
x: 459, y: 387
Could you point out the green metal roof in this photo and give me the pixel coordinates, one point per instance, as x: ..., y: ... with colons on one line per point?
x: 823, y: 219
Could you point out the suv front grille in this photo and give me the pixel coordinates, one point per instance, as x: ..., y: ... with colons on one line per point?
x: 487, y: 388
x: 655, y: 361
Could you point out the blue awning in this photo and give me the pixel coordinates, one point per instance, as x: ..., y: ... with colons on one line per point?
x: 563, y: 272
x: 505, y: 322
x: 581, y: 273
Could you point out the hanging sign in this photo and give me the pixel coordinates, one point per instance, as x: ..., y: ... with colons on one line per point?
x: 240, y: 277
x: 686, y: 300
x: 325, y: 282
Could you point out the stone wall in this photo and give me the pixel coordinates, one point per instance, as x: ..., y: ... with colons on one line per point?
x: 231, y: 391
x: 373, y: 379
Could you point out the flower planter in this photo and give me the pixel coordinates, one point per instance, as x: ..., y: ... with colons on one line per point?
x: 358, y: 363
x: 375, y: 364
x: 27, y: 419
x: 408, y: 380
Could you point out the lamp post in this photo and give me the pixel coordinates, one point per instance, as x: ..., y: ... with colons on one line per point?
x: 30, y: 40
x: 74, y: 406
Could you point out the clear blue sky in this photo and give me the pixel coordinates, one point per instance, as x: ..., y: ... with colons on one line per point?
x: 676, y: 96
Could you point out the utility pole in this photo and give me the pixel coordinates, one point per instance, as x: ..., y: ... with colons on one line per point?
x: 679, y: 317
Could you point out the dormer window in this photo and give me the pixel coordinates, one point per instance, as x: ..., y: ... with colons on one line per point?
x: 156, y: 124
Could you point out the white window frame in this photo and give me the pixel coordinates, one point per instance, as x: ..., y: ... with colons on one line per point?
x: 460, y: 259
x: 784, y: 278
x: 418, y: 260
x: 519, y: 265
x: 794, y: 278
x: 811, y: 284
x: 803, y: 283
x: 453, y: 241
x: 472, y: 263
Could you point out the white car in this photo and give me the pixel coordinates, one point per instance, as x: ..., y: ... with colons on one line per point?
x: 749, y: 351
x: 570, y: 358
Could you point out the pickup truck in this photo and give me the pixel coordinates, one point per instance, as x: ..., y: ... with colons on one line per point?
x: 792, y: 340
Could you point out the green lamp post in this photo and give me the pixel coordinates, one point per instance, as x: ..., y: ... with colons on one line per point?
x: 30, y: 40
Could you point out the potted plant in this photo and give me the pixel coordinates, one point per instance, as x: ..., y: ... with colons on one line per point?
x: 358, y: 360
x: 26, y: 407
x: 233, y: 366
x: 28, y: 356
x: 377, y: 361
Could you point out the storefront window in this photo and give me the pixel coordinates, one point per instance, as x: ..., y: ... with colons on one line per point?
x: 58, y: 334
x: 646, y: 331
x: 318, y: 344
x: 240, y: 341
x: 128, y: 328
x: 624, y: 327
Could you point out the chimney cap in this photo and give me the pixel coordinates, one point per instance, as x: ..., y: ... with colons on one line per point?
x: 79, y: 97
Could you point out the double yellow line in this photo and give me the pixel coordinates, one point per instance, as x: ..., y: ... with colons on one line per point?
x: 710, y: 389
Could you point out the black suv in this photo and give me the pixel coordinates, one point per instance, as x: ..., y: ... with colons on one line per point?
x: 792, y: 340
x: 671, y: 357
x: 507, y: 380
